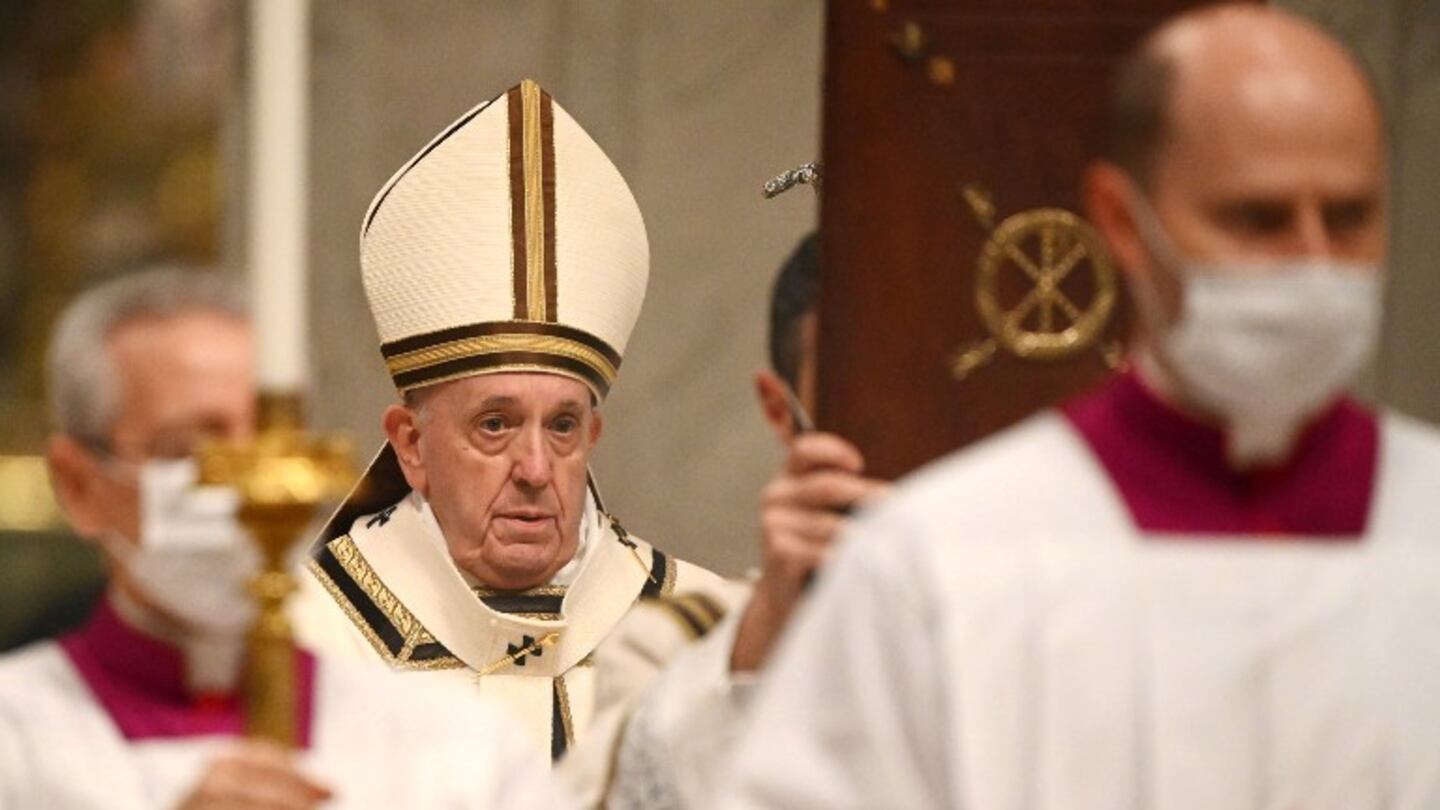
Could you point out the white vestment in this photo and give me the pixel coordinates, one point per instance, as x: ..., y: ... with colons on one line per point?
x: 679, y: 730
x: 374, y: 742
x: 389, y: 591
x: 998, y: 635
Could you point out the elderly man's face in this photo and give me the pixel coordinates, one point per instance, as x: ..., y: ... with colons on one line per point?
x: 181, y: 380
x: 502, y: 460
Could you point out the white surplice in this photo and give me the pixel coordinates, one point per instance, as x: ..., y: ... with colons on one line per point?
x: 375, y: 743
x: 1000, y: 636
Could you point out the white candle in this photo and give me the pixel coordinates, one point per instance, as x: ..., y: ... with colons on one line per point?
x: 276, y: 222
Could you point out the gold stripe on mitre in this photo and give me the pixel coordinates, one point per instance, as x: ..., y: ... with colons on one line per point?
x: 493, y: 347
x: 533, y: 147
x: 491, y: 344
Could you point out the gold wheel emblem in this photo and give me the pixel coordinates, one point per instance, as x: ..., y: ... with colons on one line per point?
x: 1037, y: 251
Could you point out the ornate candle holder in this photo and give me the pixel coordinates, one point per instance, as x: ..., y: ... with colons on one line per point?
x: 283, y: 475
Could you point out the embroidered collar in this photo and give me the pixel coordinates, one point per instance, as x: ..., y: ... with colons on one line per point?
x: 1173, y: 475
x: 403, y: 592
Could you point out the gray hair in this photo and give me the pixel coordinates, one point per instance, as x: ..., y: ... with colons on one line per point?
x: 81, y: 383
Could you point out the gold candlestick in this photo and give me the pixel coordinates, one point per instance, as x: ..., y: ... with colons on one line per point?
x: 282, y: 476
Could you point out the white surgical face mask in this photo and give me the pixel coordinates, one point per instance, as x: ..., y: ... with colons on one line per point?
x: 193, y: 560
x: 1264, y: 344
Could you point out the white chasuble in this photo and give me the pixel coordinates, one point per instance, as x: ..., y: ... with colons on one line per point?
x: 1001, y: 635
x: 389, y: 591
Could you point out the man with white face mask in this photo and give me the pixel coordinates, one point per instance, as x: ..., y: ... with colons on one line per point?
x: 1212, y: 581
x: 141, y: 707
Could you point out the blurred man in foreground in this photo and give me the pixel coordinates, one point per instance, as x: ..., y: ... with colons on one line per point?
x: 141, y: 708
x: 1210, y: 583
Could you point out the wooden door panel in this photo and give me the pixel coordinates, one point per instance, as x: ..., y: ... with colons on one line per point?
x: 1005, y: 95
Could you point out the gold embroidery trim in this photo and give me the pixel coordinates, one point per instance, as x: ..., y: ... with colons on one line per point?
x: 411, y: 631
x: 541, y: 590
x: 499, y: 344
x: 692, y: 609
x: 709, y: 609
x: 460, y: 375
x: 667, y: 583
x: 677, y: 613
x: 564, y: 694
x: 534, y: 201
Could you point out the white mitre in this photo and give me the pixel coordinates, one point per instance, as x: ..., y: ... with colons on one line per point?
x: 509, y: 243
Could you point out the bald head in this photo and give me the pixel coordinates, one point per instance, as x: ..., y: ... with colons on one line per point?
x: 1193, y: 76
x: 1252, y: 81
x: 1251, y: 133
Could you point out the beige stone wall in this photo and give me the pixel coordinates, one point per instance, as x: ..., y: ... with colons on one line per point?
x: 1399, y: 40
x: 698, y: 104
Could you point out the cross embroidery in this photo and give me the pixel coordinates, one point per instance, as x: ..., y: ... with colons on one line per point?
x: 526, y: 647
x: 381, y: 518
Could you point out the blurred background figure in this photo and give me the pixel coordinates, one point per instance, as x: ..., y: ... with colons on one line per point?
x: 108, y: 157
x: 142, y: 370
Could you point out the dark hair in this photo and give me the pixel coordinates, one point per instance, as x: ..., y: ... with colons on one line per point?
x: 1137, y: 114
x: 793, y: 296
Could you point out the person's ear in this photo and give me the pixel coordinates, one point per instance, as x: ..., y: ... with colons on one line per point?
x: 75, y: 475
x: 1109, y: 202
x: 1112, y: 199
x: 402, y: 429
x: 774, y: 398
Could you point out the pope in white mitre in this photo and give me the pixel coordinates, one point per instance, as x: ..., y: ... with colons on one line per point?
x: 1214, y: 581
x: 505, y: 265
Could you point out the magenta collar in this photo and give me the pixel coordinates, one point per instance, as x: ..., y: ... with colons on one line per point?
x: 140, y: 681
x: 1173, y: 475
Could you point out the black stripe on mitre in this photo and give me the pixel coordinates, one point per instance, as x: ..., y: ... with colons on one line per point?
x: 500, y: 362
